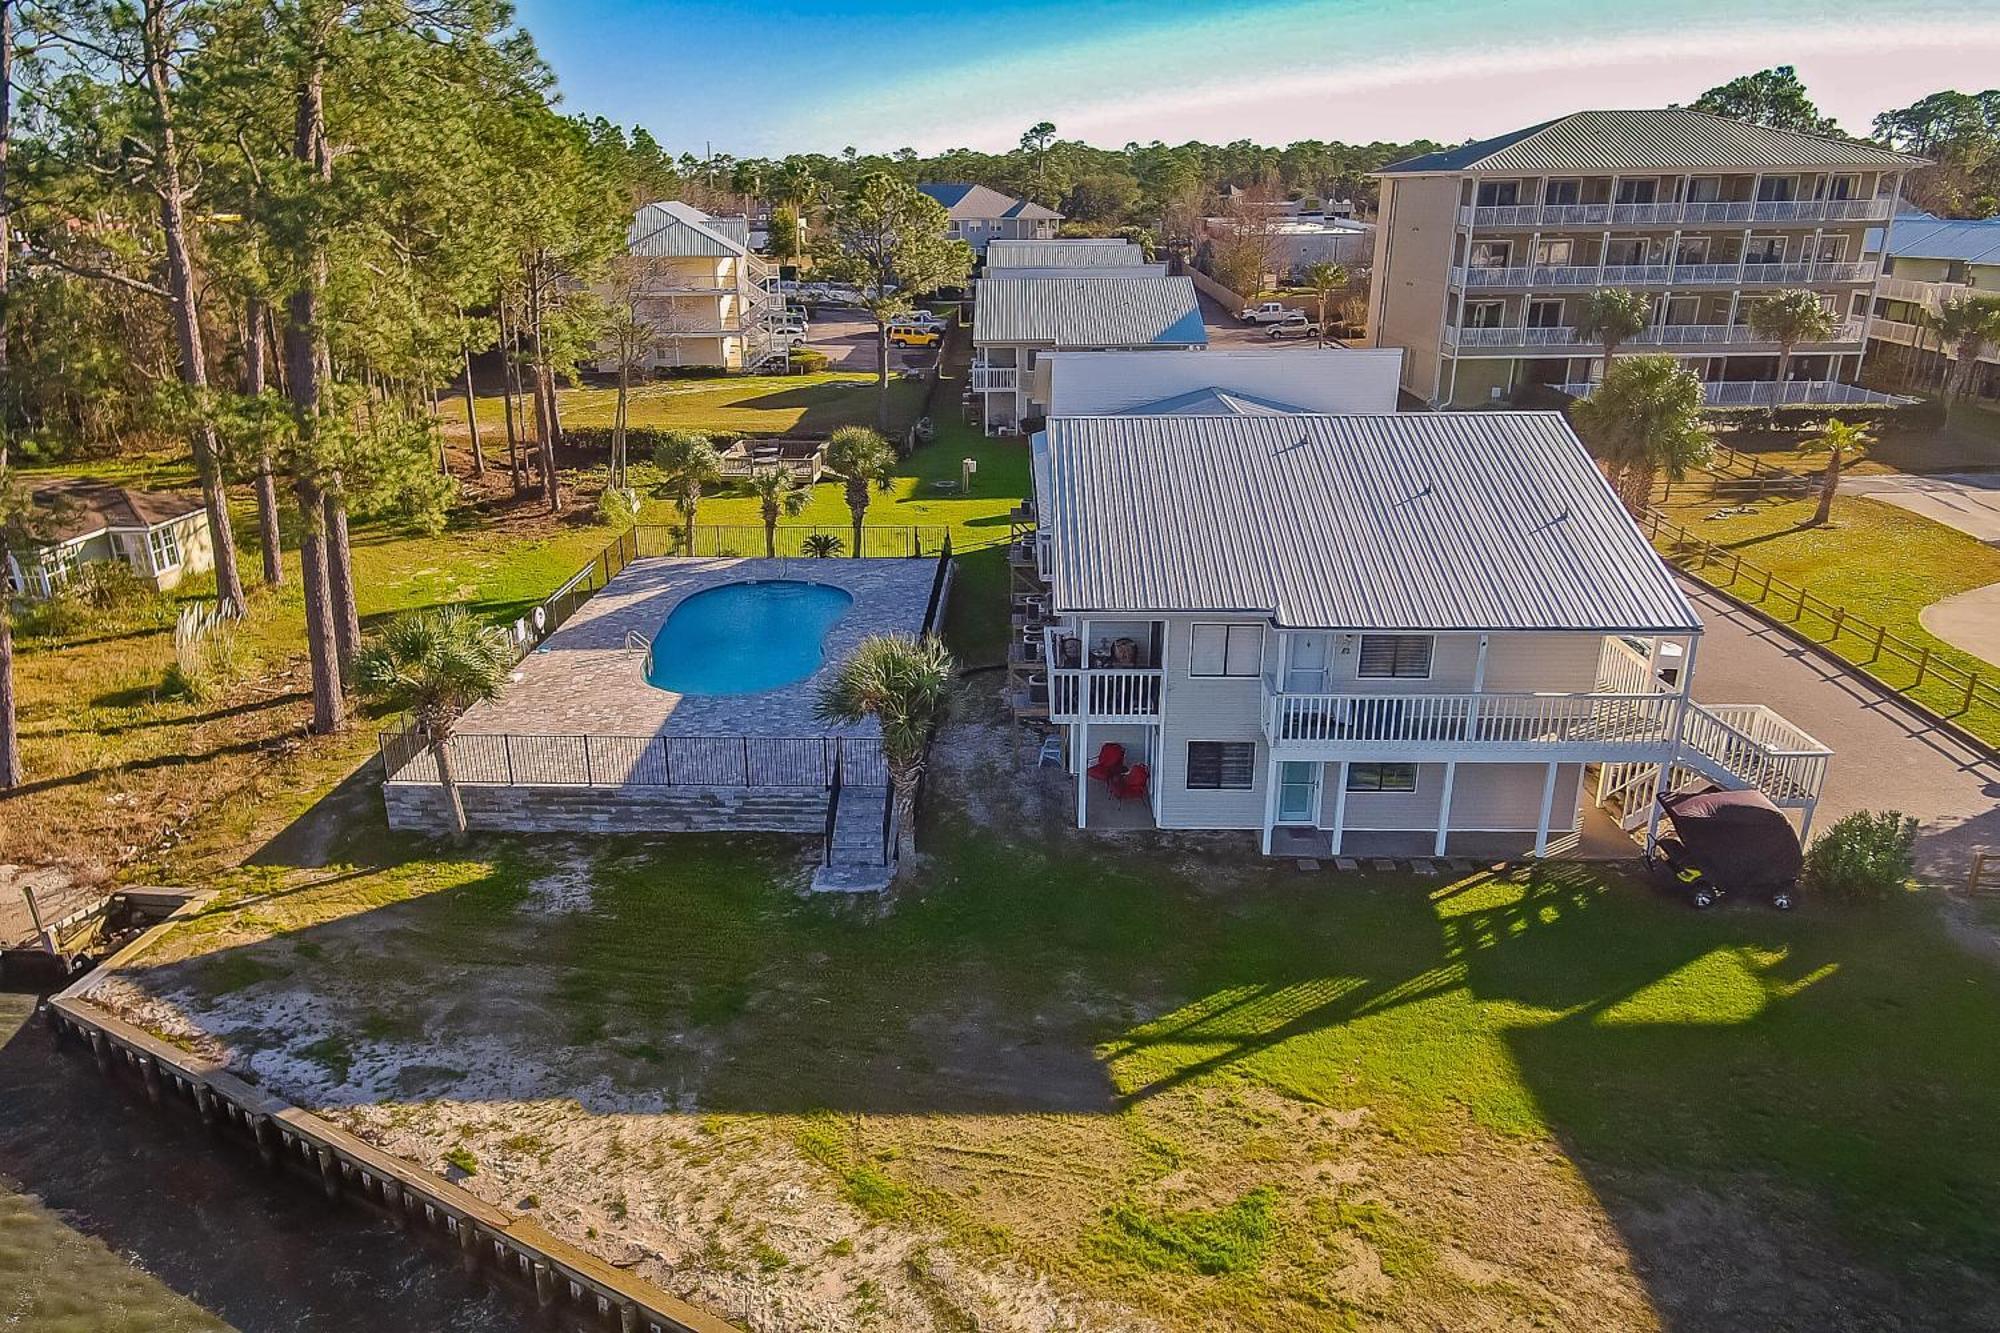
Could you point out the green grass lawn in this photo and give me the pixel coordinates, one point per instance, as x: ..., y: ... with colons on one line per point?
x: 754, y: 404
x: 1199, y: 1089
x: 1970, y: 441
x: 1882, y: 563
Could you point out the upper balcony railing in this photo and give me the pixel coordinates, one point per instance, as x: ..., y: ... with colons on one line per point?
x: 1658, y: 335
x: 1549, y: 277
x: 1105, y: 694
x: 1329, y: 723
x: 995, y: 379
x: 1770, y: 393
x: 1699, y: 213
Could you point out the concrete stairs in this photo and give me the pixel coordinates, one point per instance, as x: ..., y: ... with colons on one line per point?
x: 855, y: 864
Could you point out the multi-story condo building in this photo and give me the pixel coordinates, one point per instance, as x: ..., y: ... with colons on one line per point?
x: 1927, y: 262
x: 706, y: 295
x: 1016, y: 320
x: 1365, y: 635
x: 980, y: 215
x: 1483, y: 253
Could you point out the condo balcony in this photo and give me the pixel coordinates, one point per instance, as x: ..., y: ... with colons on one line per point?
x: 1688, y: 212
x: 1557, y: 277
x: 1730, y: 337
x: 1770, y: 393
x: 995, y: 379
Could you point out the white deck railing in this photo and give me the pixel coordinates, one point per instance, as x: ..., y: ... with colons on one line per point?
x: 1708, y: 211
x: 1469, y: 720
x: 1758, y: 748
x: 1546, y: 277
x: 995, y: 379
x: 1657, y: 335
x: 1769, y: 393
x: 1104, y: 694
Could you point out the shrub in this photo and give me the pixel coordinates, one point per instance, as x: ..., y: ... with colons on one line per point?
x: 823, y: 545
x: 1869, y: 854
x: 809, y: 361
x: 108, y: 585
x: 618, y: 506
x: 205, y: 660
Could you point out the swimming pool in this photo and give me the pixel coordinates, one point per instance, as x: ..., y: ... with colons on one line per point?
x: 744, y: 638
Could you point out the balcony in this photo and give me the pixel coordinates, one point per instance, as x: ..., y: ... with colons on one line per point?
x: 995, y: 379
x: 1769, y: 393
x: 1105, y: 694
x: 1555, y: 277
x: 1736, y: 337
x: 1675, y: 214
x: 1549, y: 726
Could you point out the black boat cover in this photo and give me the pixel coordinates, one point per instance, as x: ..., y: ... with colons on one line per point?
x: 1736, y: 838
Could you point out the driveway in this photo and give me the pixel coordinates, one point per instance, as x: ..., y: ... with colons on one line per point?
x: 1226, y: 330
x: 1968, y: 501
x: 1884, y: 757
x: 847, y: 337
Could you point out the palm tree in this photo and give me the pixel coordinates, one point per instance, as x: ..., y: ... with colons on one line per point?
x: 778, y: 493
x: 688, y: 461
x: 1325, y: 279
x: 1964, y: 324
x: 823, y: 545
x: 436, y: 663
x: 1610, y: 316
x: 1644, y: 419
x: 1791, y: 317
x: 1843, y: 442
x: 903, y: 683
x: 864, y: 461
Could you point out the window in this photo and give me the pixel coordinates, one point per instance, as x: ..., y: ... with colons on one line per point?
x: 1638, y: 192
x: 1491, y: 254
x: 1626, y: 250
x: 1226, y: 650
x: 1705, y: 190
x: 1483, y: 314
x: 1499, y: 194
x: 1381, y: 777
x: 1832, y: 249
x: 1765, y: 250
x: 1778, y: 189
x: 1562, y: 192
x: 1692, y: 250
x: 1545, y: 314
x: 1841, y: 187
x: 1395, y: 656
x: 166, y: 548
x: 1221, y: 765
x: 60, y: 563
x: 1556, y: 253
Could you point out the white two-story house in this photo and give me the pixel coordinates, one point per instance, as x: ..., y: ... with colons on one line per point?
x: 980, y: 215
x: 1371, y: 635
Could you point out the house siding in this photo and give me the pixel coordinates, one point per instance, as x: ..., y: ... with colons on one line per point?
x: 1204, y: 708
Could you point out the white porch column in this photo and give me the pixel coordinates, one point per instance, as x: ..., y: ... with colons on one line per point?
x: 1083, y: 762
x: 1478, y: 686
x: 1270, y: 798
x: 1083, y: 756
x: 1548, y: 808
x: 1681, y: 702
x: 1339, y: 804
x: 1444, y: 809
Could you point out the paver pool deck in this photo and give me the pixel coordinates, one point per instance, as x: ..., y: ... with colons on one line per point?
x: 584, y: 679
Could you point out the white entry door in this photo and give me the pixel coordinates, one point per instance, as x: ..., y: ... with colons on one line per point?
x: 1298, y: 793
x: 1305, y: 668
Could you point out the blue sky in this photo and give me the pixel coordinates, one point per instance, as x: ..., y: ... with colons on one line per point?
x: 804, y: 75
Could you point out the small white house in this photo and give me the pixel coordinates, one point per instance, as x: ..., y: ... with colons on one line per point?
x: 162, y: 535
x: 980, y: 215
x: 1387, y: 634
x: 1016, y: 320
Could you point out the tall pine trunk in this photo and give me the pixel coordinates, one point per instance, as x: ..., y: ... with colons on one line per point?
x: 10, y: 737
x: 187, y: 315
x: 305, y: 373
x: 340, y: 585
x: 472, y: 418
x: 255, y: 316
x: 882, y: 372
x: 509, y: 350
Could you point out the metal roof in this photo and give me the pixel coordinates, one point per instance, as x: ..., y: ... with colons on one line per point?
x: 962, y: 199
x: 1672, y: 139
x: 674, y: 230
x: 1212, y: 401
x: 1087, y: 252
x: 1415, y: 521
x: 1921, y: 236
x: 1088, y: 312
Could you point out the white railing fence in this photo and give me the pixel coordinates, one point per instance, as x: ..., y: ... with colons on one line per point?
x: 1105, y: 693
x: 1479, y: 718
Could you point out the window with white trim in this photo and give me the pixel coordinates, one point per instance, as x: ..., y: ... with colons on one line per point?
x: 1395, y: 657
x: 1226, y: 650
x: 1381, y: 777
x: 166, y: 548
x: 1221, y: 765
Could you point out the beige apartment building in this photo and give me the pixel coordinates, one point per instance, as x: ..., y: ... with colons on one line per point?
x: 1485, y: 253
x: 706, y: 295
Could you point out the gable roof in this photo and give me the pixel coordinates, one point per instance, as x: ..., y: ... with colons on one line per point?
x: 84, y: 507
x: 671, y: 229
x: 1921, y: 236
x: 1211, y: 401
x: 962, y: 199
x: 1670, y: 139
x: 1415, y: 521
x: 1079, y: 252
x: 1088, y: 312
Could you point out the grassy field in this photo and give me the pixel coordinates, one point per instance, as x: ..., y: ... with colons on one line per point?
x: 754, y: 404
x: 1883, y: 564
x: 121, y: 775
x: 1114, y: 1083
x: 1970, y: 441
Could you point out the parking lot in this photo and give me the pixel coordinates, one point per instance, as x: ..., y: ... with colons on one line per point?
x: 1226, y: 330
x: 847, y: 336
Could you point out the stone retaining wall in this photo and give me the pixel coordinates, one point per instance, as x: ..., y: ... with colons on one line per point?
x: 422, y: 807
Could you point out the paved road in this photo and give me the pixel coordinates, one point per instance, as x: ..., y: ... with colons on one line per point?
x: 848, y: 339
x: 1968, y: 501
x: 1226, y: 330
x: 1884, y: 757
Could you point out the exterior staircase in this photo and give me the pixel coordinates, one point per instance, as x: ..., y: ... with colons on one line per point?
x: 858, y: 859
x: 1733, y: 746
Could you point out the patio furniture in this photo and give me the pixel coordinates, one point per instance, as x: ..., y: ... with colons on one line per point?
x: 1131, y: 784
x: 1051, y: 753
x: 1110, y: 763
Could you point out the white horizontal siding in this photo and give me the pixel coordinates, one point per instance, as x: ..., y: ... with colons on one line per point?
x: 1200, y: 708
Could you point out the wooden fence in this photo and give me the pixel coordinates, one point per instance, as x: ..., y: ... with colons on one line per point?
x: 1984, y: 881
x: 1940, y: 687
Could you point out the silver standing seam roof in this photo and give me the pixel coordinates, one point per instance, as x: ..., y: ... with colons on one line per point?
x: 1083, y: 252
x: 1088, y: 312
x: 1673, y: 139
x: 1413, y: 521
x: 674, y: 230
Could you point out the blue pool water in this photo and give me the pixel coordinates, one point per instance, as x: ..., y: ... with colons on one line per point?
x: 744, y: 638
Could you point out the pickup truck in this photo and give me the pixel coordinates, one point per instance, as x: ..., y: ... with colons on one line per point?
x: 1294, y: 325
x: 1268, y: 312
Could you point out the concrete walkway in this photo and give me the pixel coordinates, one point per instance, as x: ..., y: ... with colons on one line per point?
x: 1968, y: 501
x: 1884, y: 756
x: 1970, y: 621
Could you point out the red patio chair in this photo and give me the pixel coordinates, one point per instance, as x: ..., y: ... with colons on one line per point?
x: 1110, y: 763
x: 1131, y: 784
